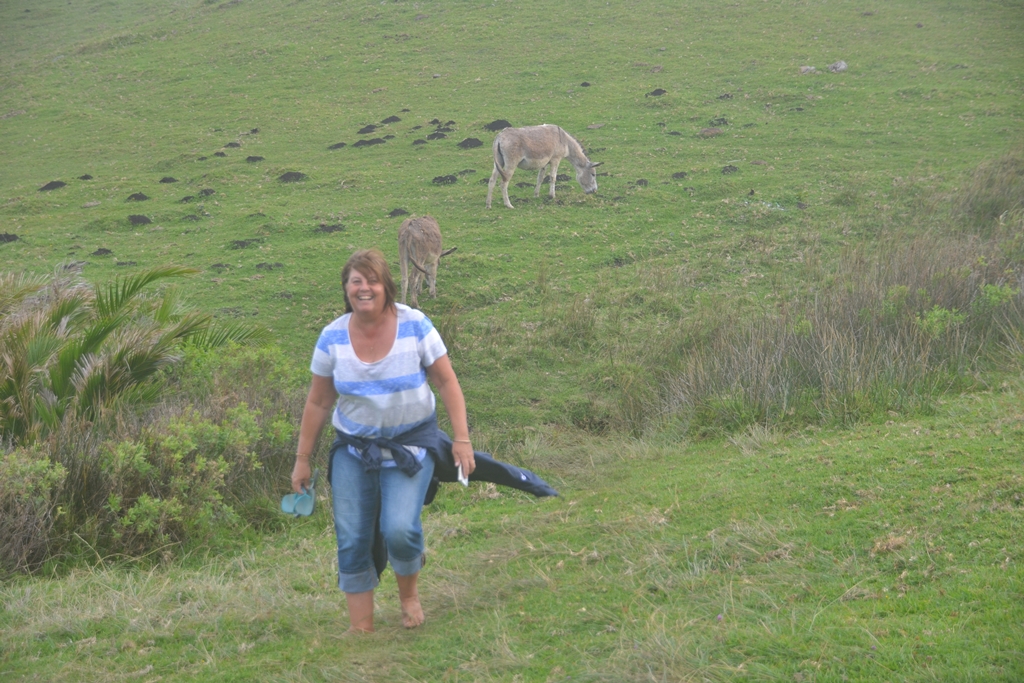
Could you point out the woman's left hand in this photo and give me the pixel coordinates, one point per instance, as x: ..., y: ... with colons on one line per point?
x: 463, y: 454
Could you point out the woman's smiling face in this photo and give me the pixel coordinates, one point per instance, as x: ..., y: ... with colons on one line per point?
x: 365, y: 293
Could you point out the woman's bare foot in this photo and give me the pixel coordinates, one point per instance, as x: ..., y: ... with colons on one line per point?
x: 353, y: 631
x: 412, y: 612
x: 360, y: 612
x: 409, y: 596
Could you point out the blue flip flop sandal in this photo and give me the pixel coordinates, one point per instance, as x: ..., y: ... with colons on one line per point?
x: 301, y: 504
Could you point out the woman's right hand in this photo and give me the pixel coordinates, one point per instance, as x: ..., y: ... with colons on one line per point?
x: 301, y: 474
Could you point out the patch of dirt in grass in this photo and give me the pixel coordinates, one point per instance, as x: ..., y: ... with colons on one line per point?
x: 337, y: 145
x: 657, y: 92
x: 168, y: 179
x: 6, y: 237
x: 497, y: 124
x: 137, y: 197
x: 780, y: 553
x: 139, y: 219
x: 102, y: 251
x: 445, y: 180
x: 470, y: 143
x: 395, y: 213
x: 890, y: 543
x: 366, y: 130
x: 325, y: 228
x: 85, y: 177
x: 391, y: 119
x: 206, y: 192
x: 370, y: 142
x: 292, y: 177
x: 269, y: 266
x: 436, y: 136
x: 253, y: 159
x: 52, y: 185
x: 219, y: 154
x: 232, y: 145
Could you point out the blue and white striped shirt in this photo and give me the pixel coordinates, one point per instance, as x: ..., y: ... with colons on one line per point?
x: 390, y: 396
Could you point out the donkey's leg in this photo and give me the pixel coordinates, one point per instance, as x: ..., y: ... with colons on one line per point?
x: 404, y: 262
x: 417, y: 282
x: 554, y: 174
x: 504, y: 188
x: 432, y: 278
x: 540, y: 180
x: 490, y: 185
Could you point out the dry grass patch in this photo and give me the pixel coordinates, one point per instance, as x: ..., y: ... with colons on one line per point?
x: 889, y: 544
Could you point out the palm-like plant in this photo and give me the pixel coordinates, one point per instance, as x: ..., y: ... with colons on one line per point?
x: 69, y: 349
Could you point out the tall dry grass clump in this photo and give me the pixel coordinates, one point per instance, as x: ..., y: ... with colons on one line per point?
x: 901, y: 322
x: 994, y: 193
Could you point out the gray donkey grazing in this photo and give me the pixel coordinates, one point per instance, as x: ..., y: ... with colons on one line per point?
x: 419, y: 244
x: 535, y: 147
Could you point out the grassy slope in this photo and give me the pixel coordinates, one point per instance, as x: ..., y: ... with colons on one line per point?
x: 130, y: 97
x: 130, y: 93
x: 886, y: 552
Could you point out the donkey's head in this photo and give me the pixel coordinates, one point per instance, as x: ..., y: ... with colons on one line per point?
x: 587, y: 177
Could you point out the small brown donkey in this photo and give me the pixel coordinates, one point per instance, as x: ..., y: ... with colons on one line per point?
x: 536, y: 147
x: 419, y: 244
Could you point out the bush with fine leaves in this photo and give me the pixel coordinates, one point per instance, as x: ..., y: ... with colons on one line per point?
x: 78, y: 364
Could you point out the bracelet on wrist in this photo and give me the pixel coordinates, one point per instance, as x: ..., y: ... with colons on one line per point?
x: 461, y: 440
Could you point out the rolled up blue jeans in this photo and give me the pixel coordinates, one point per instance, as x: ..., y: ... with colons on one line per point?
x: 358, y: 497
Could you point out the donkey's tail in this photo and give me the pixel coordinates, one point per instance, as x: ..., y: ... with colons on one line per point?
x: 499, y: 161
x: 418, y: 266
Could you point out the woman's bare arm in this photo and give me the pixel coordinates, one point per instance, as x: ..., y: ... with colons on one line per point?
x: 442, y: 376
x: 319, y: 404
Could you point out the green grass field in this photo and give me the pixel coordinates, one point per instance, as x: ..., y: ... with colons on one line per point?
x: 883, y: 551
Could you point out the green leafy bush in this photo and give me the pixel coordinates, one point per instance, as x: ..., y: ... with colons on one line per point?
x: 28, y: 482
x: 169, y: 485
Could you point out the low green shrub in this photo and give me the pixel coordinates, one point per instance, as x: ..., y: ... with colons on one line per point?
x: 169, y: 485
x: 28, y: 507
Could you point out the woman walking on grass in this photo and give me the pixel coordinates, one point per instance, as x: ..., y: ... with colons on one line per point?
x: 370, y: 370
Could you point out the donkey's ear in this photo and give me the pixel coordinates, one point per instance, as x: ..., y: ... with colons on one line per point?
x: 593, y: 165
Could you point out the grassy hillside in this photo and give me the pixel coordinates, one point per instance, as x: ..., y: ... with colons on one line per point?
x: 881, y: 553
x: 131, y: 98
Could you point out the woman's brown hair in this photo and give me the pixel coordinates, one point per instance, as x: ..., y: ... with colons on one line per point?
x: 370, y: 262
